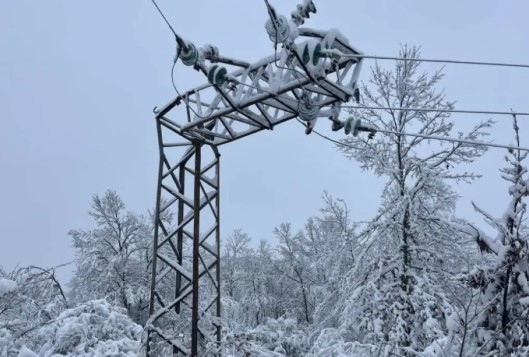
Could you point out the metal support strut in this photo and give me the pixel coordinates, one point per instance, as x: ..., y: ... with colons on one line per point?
x: 186, y: 252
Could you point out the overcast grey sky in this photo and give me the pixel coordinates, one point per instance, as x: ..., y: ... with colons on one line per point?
x: 79, y: 79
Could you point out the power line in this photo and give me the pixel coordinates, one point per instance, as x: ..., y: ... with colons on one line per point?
x: 432, y: 137
x: 454, y: 140
x: 479, y: 63
x: 439, y: 110
x: 459, y: 111
x: 462, y: 141
x: 181, y: 45
x: 165, y: 19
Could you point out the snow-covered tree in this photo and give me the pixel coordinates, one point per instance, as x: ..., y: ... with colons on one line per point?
x: 274, y: 338
x: 94, y: 328
x: 294, y: 266
x: 393, y: 297
x: 29, y: 298
x: 331, y: 245
x: 297, y: 278
x: 504, y: 303
x: 252, y: 287
x: 236, y: 250
x: 33, y: 297
x: 112, y: 260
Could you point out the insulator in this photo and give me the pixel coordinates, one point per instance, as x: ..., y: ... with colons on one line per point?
x: 336, y: 125
x: 356, y: 94
x: 310, y: 126
x: 282, y: 32
x: 209, y: 51
x: 307, y: 110
x: 311, y: 52
x: 352, y: 126
x: 217, y: 75
x: 189, y: 55
x: 303, y: 11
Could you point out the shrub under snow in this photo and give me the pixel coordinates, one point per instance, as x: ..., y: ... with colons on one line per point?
x: 95, y: 328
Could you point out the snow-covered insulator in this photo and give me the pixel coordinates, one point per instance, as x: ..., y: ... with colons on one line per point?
x: 217, y: 75
x: 352, y: 126
x: 280, y: 31
x: 209, y: 51
x: 303, y: 11
x: 311, y: 52
x: 189, y: 55
x: 307, y: 110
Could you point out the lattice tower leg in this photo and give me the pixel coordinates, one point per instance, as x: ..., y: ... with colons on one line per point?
x: 185, y: 302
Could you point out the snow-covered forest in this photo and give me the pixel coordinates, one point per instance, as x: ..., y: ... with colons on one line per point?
x: 414, y: 280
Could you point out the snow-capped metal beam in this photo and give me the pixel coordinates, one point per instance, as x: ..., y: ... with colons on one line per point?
x: 264, y: 94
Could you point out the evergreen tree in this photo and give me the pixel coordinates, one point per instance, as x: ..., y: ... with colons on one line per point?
x: 504, y: 303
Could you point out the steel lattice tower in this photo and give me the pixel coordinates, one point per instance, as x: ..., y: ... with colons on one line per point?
x: 306, y: 79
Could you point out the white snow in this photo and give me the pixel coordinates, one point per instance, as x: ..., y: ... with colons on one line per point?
x: 524, y: 301
x: 522, y: 281
x: 7, y: 286
x: 26, y: 352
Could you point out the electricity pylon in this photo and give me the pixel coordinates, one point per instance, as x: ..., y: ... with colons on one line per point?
x: 304, y: 78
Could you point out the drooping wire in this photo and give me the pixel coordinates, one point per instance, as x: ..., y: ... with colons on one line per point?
x: 188, y: 106
x: 172, y: 71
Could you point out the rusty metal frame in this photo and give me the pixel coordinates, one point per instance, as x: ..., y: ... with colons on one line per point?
x: 186, y: 253
x: 185, y: 310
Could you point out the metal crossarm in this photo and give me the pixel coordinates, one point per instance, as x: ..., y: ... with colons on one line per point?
x: 261, y: 95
